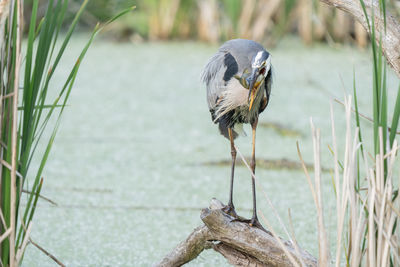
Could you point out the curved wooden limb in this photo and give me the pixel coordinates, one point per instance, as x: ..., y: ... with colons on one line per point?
x: 189, y: 249
x: 390, y: 38
x: 239, y: 243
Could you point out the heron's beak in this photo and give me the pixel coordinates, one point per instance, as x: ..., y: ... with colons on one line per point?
x: 254, y: 82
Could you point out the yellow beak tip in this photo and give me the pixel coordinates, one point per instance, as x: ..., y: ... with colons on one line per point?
x: 251, y: 100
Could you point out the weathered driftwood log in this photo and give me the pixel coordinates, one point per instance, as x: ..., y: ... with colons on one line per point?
x: 390, y: 38
x: 239, y: 243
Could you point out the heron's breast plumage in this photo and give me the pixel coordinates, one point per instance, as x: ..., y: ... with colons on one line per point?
x: 233, y: 95
x: 233, y: 103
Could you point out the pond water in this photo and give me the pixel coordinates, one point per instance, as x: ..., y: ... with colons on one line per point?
x: 128, y: 166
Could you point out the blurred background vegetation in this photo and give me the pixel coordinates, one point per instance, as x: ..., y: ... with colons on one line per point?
x: 213, y: 21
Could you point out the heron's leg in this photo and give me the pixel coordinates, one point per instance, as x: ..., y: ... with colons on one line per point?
x: 230, y: 209
x: 233, y: 153
x: 254, y: 220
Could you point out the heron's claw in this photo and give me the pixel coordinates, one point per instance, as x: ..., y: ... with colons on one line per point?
x: 253, y: 222
x: 230, y: 210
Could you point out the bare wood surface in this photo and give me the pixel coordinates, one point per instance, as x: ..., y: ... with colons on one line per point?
x: 189, y: 249
x: 390, y: 39
x: 239, y: 243
x: 236, y: 257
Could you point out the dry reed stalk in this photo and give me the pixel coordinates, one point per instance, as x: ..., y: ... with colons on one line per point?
x: 208, y: 22
x: 14, y: 137
x: 323, y: 258
x: 263, y: 19
x: 380, y: 202
x: 385, y: 216
x: 263, y: 191
x: 6, y: 234
x: 292, y: 260
x: 3, y: 221
x: 353, y: 200
x: 4, y: 9
x: 291, y: 237
x: 342, y: 187
x: 305, y: 20
x: 48, y: 254
x: 303, y: 164
x: 21, y: 250
x: 245, y: 18
x: 4, y: 14
x: 341, y: 25
x: 336, y: 176
x: 371, y: 225
x: 184, y: 30
x: 167, y: 14
x: 162, y: 21
x: 357, y: 235
x: 154, y: 27
x: 294, y: 240
x: 311, y: 20
x: 354, y: 214
x: 361, y: 35
x: 8, y: 165
x: 321, y: 23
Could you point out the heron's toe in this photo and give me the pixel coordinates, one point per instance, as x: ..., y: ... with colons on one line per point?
x: 230, y: 210
x: 254, y: 222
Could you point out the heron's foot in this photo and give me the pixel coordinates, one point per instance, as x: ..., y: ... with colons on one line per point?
x: 230, y: 210
x: 253, y: 222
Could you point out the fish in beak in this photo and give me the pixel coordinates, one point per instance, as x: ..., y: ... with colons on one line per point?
x: 255, y: 81
x: 260, y: 68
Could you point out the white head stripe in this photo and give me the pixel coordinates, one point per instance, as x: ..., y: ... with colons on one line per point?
x: 257, y: 59
x: 268, y: 64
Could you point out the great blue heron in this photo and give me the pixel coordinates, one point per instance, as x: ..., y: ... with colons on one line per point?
x: 238, y: 79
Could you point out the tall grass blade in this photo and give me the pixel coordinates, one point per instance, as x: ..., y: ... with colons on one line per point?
x: 382, y: 7
x: 20, y: 141
x: 37, y: 132
x: 357, y: 113
x: 364, y: 9
x: 375, y: 89
x: 395, y: 119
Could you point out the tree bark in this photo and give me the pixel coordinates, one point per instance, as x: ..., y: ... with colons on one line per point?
x: 189, y: 249
x: 239, y: 243
x: 390, y: 38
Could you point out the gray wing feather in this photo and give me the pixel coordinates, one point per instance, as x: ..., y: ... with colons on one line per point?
x: 212, y: 76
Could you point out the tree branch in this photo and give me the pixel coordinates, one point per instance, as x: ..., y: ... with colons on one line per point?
x: 239, y: 243
x: 390, y: 39
x: 188, y: 249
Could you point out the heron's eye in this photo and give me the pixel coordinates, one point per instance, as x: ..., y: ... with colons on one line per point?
x: 262, y: 71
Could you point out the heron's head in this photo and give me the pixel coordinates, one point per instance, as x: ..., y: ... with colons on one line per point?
x: 260, y: 66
